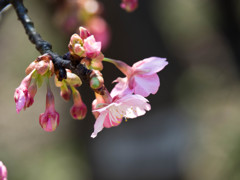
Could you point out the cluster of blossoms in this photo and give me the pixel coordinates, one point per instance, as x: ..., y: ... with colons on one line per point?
x: 126, y: 100
x: 3, y: 171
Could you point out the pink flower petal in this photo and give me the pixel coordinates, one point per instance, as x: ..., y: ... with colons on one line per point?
x: 98, y: 126
x: 111, y: 120
x: 150, y: 65
x: 145, y: 85
x: 121, y: 88
x: 135, y: 105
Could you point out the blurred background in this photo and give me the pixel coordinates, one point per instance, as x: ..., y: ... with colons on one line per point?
x: 193, y: 129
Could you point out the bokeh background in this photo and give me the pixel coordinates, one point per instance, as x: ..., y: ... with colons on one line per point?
x: 193, y: 129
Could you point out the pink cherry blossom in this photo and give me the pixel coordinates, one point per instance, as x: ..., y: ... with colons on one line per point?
x: 3, y: 171
x: 92, y: 48
x: 111, y: 114
x: 129, y: 5
x: 21, y: 94
x: 141, y: 78
x: 49, y: 120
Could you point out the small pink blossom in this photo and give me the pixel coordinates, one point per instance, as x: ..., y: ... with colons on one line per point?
x: 141, y: 78
x: 111, y: 114
x: 3, y: 171
x: 21, y: 93
x: 129, y: 5
x: 92, y: 48
x: 49, y: 120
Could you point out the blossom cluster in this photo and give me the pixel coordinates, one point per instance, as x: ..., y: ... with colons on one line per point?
x: 126, y: 100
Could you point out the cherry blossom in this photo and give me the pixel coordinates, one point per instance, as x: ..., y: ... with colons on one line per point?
x: 141, y: 78
x: 111, y: 114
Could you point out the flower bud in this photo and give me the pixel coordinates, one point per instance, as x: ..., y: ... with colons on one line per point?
x: 96, y: 80
x: 3, y: 171
x: 42, y: 67
x: 84, y: 33
x: 31, y: 67
x: 79, y: 109
x: 49, y: 120
x: 73, y: 79
x: 79, y: 50
x: 32, y: 90
x: 75, y: 39
x: 21, y: 93
x: 65, y: 92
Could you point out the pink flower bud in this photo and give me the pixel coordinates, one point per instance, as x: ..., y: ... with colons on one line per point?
x: 42, y: 67
x: 65, y: 93
x: 92, y: 47
x: 32, y: 90
x: 21, y: 93
x: 79, y: 50
x: 49, y: 120
x: 75, y: 39
x: 129, y: 5
x: 79, y: 109
x: 3, y: 171
x: 84, y: 33
x: 31, y: 67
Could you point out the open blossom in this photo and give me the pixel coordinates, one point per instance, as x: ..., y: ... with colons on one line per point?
x: 3, y: 171
x: 129, y: 5
x: 49, y: 120
x: 21, y: 95
x: 141, y: 78
x: 92, y: 48
x: 111, y: 114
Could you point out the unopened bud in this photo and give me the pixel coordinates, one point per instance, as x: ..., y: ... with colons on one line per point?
x: 73, y: 80
x: 84, y: 33
x: 96, y: 80
x: 79, y: 109
x: 65, y: 93
x: 30, y: 68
